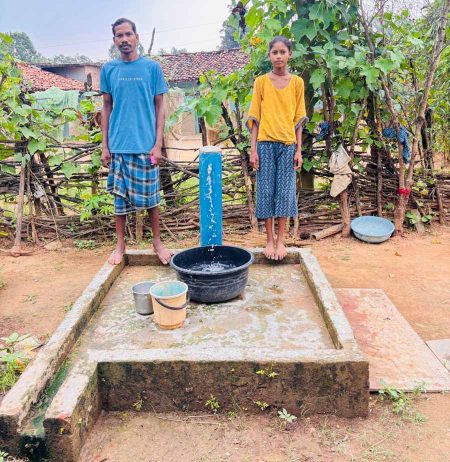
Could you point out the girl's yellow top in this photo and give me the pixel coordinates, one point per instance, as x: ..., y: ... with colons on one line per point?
x: 278, y: 113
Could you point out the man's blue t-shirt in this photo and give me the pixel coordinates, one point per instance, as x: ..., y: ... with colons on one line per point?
x: 133, y: 87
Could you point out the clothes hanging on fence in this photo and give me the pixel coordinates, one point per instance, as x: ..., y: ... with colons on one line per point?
x: 58, y: 99
x: 339, y: 167
x: 403, y: 135
x: 324, y: 128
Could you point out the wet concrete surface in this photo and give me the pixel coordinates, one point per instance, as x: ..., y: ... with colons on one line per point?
x: 277, y: 310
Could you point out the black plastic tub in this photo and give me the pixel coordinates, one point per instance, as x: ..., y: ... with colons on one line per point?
x: 213, y: 273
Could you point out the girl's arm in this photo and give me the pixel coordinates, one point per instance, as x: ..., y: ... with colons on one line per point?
x: 254, y: 159
x: 299, y: 121
x: 298, y: 159
x: 254, y: 116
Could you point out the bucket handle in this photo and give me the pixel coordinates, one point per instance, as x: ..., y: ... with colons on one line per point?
x: 175, y: 308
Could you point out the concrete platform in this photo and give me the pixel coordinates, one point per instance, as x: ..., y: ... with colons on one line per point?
x: 441, y: 348
x: 397, y: 355
x: 285, y: 341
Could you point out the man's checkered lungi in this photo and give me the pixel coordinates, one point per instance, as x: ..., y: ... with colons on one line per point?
x: 134, y: 182
x: 276, y: 180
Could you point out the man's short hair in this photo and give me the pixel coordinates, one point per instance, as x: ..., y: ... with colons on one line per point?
x: 120, y: 21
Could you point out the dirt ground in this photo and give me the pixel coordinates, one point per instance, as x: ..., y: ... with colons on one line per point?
x: 414, y: 271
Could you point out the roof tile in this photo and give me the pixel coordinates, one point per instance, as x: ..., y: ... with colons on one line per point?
x: 39, y: 80
x: 186, y: 67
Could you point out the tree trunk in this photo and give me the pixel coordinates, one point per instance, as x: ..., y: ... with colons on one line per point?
x: 426, y: 140
x: 16, y: 249
x: 379, y: 185
x: 202, y: 125
x: 345, y: 212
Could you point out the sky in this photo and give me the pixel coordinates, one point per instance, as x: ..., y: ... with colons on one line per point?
x: 84, y: 26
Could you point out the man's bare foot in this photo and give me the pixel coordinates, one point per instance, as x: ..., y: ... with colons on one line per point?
x: 164, y: 254
x: 117, y: 255
x: 269, y: 251
x: 280, y: 252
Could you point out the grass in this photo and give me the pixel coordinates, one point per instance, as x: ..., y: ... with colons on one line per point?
x: 12, y: 363
x: 85, y: 244
x: 403, y: 403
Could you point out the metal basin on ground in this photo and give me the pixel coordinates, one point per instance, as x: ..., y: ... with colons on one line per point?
x: 372, y: 229
x: 213, y: 273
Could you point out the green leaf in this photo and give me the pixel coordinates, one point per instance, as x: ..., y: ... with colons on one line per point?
x: 253, y: 17
x: 7, y: 38
x: 69, y: 168
x: 316, y: 117
x: 344, y: 87
x: 55, y: 160
x: 8, y: 169
x: 273, y: 24
x: 416, y: 41
x: 213, y: 114
x: 307, y: 165
x: 371, y: 74
x: 15, y: 72
x: 316, y: 11
x: 385, y: 65
x: 95, y: 159
x: 299, y: 51
x: 346, y: 63
x: 303, y: 27
x: 87, y: 105
x: 220, y: 94
x: 27, y: 133
x: 281, y: 5
x: 317, y: 78
x: 327, y: 18
x: 355, y: 108
x: 36, y: 145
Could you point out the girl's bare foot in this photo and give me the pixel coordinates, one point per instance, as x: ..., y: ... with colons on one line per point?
x: 280, y: 252
x: 164, y: 254
x: 117, y: 255
x: 269, y: 251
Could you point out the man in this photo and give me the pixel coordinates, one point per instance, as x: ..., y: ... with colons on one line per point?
x: 133, y: 118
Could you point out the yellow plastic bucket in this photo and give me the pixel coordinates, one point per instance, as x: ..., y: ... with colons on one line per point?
x: 169, y: 300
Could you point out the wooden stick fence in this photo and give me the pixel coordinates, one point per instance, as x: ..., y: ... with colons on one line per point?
x: 54, y: 204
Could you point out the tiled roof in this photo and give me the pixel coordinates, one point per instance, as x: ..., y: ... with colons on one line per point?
x: 186, y: 67
x: 39, y: 80
x: 52, y: 65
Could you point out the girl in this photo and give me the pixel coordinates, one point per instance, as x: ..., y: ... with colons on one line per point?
x: 276, y: 117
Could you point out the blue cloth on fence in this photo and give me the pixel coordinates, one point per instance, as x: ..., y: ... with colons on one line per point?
x: 134, y: 181
x: 403, y: 135
x: 324, y: 127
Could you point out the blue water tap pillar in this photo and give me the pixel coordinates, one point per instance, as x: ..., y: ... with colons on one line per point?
x: 210, y: 167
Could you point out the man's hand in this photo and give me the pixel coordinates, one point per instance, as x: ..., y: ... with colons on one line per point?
x: 156, y: 154
x: 298, y: 160
x: 106, y: 157
x: 254, y: 159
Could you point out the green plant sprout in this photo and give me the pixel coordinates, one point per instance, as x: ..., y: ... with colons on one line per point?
x: 402, y: 404
x: 262, y: 405
x: 286, y: 417
x: 212, y: 404
x: 269, y: 373
x: 12, y: 363
x: 138, y: 404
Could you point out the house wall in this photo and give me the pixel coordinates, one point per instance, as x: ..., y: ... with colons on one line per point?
x: 78, y: 73
x: 95, y: 74
x: 184, y: 135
